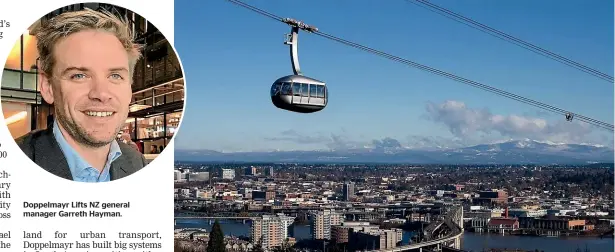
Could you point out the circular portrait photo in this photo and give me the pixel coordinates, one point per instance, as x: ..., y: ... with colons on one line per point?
x: 92, y: 92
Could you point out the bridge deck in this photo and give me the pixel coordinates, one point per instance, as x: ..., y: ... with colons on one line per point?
x: 448, y: 221
x: 219, y: 218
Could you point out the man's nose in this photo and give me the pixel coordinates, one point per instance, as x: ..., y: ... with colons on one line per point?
x: 100, y: 89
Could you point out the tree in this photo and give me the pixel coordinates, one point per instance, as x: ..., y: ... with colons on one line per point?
x: 178, y: 247
x: 284, y: 248
x: 258, y: 247
x: 335, y: 247
x: 216, y: 239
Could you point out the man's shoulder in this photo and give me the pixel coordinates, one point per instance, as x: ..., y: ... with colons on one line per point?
x: 128, y: 163
x: 27, y: 142
x: 131, y: 155
x: 31, y: 136
x: 42, y: 148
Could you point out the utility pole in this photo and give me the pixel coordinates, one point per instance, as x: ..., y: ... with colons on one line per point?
x: 422, y: 232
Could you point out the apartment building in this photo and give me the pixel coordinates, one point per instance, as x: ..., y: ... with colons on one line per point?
x: 322, y: 221
x: 270, y: 230
x: 374, y: 239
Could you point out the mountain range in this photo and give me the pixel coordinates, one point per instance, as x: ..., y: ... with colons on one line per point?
x: 511, y: 152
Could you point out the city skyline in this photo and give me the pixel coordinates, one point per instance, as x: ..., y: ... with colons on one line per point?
x: 407, y: 108
x: 529, y: 207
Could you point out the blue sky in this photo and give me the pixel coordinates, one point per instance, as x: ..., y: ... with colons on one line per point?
x: 232, y: 55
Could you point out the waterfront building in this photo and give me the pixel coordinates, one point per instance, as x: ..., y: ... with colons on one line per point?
x: 478, y: 220
x: 374, y: 239
x: 554, y: 224
x: 270, y: 230
x: 502, y: 225
x: 322, y: 221
x: 527, y: 212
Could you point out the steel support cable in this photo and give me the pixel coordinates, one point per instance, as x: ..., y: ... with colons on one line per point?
x: 470, y: 82
x: 252, y: 8
x: 509, y: 38
x: 519, y: 98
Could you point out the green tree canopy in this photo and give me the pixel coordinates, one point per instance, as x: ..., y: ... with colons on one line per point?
x: 216, y: 239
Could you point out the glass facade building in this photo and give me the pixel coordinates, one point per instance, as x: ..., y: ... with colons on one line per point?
x: 158, y: 85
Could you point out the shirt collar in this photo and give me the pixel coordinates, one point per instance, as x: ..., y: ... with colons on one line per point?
x: 76, y: 163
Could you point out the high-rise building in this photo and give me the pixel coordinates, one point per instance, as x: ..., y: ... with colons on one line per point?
x: 228, y: 174
x: 198, y: 176
x: 177, y: 175
x: 322, y: 221
x: 270, y: 230
x: 348, y: 191
x: 269, y: 171
x: 251, y: 171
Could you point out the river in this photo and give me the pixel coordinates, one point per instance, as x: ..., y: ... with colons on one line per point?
x: 469, y: 241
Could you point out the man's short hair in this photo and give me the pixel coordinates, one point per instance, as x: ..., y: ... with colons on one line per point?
x: 49, y: 33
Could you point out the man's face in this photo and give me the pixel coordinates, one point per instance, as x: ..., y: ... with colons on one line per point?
x: 90, y: 86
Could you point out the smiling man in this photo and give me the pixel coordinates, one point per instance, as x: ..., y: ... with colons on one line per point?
x: 87, y: 60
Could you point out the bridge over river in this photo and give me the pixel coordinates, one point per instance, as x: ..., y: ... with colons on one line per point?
x: 244, y: 219
x: 443, y: 233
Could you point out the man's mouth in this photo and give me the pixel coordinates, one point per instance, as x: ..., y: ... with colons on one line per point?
x: 99, y: 113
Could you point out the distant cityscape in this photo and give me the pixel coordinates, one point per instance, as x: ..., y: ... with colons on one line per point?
x: 525, y: 151
x: 316, y: 207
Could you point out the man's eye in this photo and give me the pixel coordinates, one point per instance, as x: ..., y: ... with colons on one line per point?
x: 117, y: 76
x: 77, y: 76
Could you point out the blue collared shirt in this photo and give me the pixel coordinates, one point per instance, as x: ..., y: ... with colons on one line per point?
x: 81, y: 170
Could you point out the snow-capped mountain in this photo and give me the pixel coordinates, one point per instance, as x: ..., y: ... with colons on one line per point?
x: 510, y: 152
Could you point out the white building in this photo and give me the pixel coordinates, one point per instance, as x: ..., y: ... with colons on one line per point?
x: 177, y: 175
x: 198, y: 176
x: 228, y: 174
x: 517, y: 212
